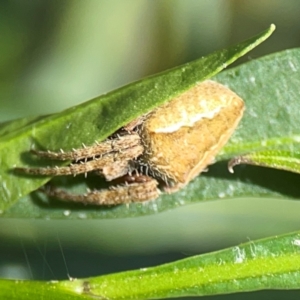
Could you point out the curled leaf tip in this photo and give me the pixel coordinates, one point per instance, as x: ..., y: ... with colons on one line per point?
x: 238, y: 160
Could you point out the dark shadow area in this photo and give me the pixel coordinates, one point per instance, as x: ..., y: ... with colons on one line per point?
x: 278, y: 181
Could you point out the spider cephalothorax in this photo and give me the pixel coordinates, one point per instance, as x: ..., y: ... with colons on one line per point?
x: 173, y: 144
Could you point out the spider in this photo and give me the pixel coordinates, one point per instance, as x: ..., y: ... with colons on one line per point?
x: 160, y: 151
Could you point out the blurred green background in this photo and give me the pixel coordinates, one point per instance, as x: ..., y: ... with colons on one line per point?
x: 55, y: 54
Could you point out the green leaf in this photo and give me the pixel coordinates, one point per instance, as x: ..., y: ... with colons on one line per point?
x: 272, y: 263
x: 278, y: 159
x: 10, y: 126
x: 95, y: 120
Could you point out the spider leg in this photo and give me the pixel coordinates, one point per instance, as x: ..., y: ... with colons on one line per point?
x: 135, y: 192
x: 136, y: 122
x: 116, y: 169
x: 170, y: 189
x: 103, y: 164
x: 99, y: 149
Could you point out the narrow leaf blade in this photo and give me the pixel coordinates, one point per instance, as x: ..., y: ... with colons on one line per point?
x: 272, y: 263
x: 278, y: 159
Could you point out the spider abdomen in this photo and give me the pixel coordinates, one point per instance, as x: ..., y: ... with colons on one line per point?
x: 183, y: 136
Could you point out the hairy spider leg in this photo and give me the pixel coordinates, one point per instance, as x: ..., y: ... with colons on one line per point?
x: 104, y: 164
x: 122, y: 194
x: 97, y: 150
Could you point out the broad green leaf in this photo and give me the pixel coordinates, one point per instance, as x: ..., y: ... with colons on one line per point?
x: 272, y: 263
x: 95, y: 120
x: 278, y: 159
x: 270, y: 88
